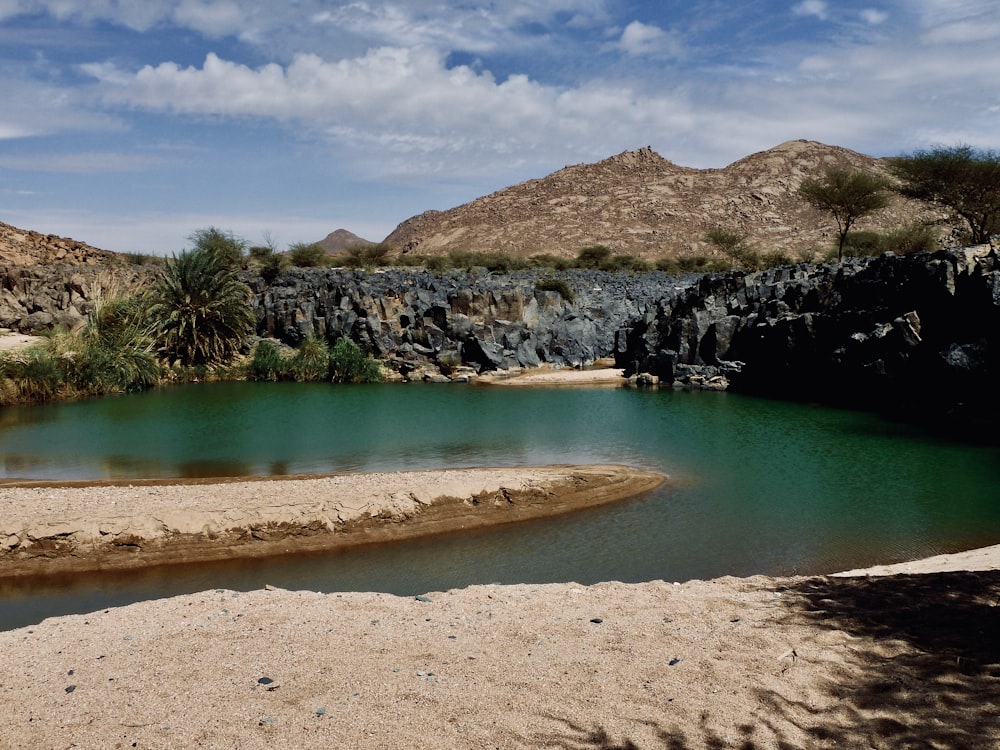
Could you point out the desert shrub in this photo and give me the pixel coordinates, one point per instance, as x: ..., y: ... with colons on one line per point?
x: 307, y: 255
x: 592, y: 257
x: 366, y: 256
x: 411, y: 260
x: 266, y: 364
x: 625, y: 263
x: 913, y: 238
x: 272, y: 266
x: 701, y: 264
x: 348, y: 364
x: 668, y: 265
x: 227, y: 246
x: 311, y: 362
x: 551, y: 284
x: 142, y: 259
x: 436, y: 264
x: 448, y: 361
x: 547, y: 260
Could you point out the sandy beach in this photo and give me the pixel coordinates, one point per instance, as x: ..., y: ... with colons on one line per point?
x: 897, y: 659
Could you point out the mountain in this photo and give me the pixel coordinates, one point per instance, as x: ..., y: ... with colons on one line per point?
x: 340, y: 241
x: 23, y: 247
x: 641, y: 204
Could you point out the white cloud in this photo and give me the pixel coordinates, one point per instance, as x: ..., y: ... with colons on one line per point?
x: 645, y: 39
x: 213, y: 18
x: 873, y: 16
x: 816, y: 8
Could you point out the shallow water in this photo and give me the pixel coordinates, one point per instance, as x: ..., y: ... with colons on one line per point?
x: 756, y: 486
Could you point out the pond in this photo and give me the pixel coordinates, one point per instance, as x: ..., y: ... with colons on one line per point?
x: 756, y: 486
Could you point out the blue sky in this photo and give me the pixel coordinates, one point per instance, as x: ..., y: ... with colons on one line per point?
x: 131, y: 124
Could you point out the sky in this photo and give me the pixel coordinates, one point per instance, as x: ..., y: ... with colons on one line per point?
x: 130, y: 125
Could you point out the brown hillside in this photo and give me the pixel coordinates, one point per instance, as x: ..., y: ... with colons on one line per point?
x: 642, y: 204
x: 23, y: 247
x: 340, y: 241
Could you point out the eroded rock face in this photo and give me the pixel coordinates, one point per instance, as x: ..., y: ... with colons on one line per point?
x: 37, y: 298
x: 414, y: 319
x: 917, y: 335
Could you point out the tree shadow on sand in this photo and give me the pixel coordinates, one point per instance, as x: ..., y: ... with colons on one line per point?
x: 923, y: 672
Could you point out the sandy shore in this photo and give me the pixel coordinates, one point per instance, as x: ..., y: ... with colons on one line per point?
x: 51, y: 528
x: 906, y: 661
x: 605, y: 374
x: 888, y: 660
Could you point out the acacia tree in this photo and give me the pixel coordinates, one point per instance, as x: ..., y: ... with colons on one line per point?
x: 201, y: 308
x: 848, y: 195
x: 961, y: 178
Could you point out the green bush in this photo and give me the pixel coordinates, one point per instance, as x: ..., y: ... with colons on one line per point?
x: 311, y: 362
x: 267, y: 364
x: 366, y: 256
x: 307, y: 255
x: 550, y: 284
x: 592, y: 257
x: 348, y: 364
x: 436, y: 264
x: 625, y: 263
x: 227, y: 246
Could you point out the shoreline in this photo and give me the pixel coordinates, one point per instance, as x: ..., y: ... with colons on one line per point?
x: 49, y: 528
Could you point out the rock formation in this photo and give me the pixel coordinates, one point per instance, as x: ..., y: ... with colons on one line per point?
x: 918, y: 336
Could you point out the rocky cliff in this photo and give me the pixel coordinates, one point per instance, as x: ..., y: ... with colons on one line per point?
x: 917, y: 336
x: 420, y: 322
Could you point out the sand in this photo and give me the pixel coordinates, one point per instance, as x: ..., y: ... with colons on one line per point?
x: 824, y: 662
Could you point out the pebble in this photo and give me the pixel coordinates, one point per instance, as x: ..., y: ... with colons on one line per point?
x: 320, y: 711
x: 423, y: 599
x: 673, y: 662
x: 597, y: 620
x: 70, y: 688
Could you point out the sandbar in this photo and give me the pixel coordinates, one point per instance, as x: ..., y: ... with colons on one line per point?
x: 49, y: 528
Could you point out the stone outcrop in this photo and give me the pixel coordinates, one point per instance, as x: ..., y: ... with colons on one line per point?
x: 418, y: 322
x: 24, y: 247
x: 918, y: 336
x: 36, y: 298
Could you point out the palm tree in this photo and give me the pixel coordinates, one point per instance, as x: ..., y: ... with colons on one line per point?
x: 201, y: 308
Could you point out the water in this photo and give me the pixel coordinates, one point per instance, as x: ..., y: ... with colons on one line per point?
x: 756, y: 486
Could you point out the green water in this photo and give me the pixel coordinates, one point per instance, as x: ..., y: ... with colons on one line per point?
x: 756, y: 486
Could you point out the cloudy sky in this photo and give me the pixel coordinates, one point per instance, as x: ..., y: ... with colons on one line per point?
x: 130, y: 124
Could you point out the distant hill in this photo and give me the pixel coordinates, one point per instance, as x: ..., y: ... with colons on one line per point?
x: 641, y: 204
x: 340, y: 241
x: 24, y: 247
